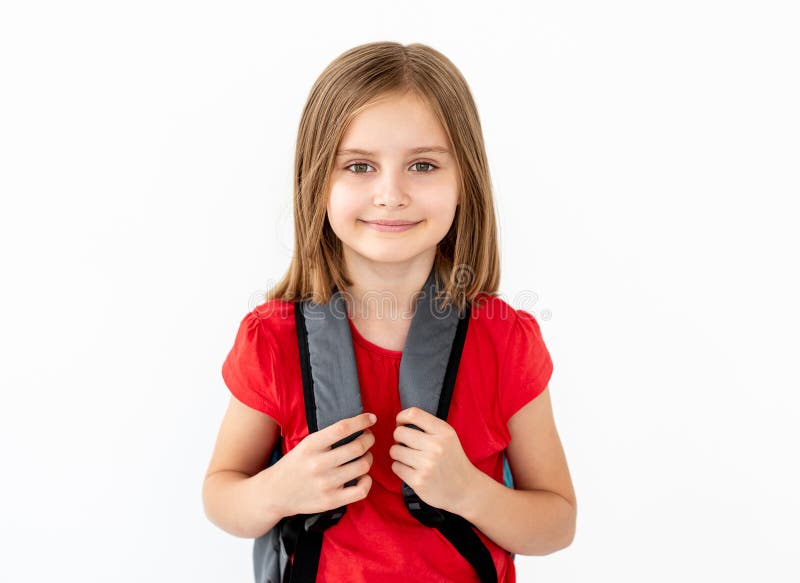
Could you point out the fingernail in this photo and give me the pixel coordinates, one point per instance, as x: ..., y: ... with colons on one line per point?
x: 372, y: 417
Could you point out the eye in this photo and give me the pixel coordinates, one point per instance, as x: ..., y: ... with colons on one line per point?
x: 356, y: 164
x: 364, y: 164
x: 425, y: 164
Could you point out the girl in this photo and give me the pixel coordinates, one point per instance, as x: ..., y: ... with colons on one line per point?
x: 392, y: 182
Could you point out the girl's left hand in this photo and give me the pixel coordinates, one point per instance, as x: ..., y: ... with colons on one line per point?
x: 431, y: 461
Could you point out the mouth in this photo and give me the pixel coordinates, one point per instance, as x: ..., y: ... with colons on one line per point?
x: 387, y: 225
x: 392, y: 222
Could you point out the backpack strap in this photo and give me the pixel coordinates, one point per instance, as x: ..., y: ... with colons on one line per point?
x: 331, y: 392
x: 431, y: 332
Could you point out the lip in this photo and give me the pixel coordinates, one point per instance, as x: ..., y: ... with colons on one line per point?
x: 391, y: 226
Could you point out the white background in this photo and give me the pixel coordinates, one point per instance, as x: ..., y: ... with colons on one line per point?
x: 645, y: 160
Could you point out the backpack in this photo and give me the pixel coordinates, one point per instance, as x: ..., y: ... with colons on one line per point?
x: 289, y: 552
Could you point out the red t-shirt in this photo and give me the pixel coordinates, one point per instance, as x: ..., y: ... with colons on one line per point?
x: 504, y: 365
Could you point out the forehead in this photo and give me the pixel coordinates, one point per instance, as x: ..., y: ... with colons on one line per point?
x: 395, y: 123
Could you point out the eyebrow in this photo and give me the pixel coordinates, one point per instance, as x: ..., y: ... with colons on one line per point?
x: 418, y: 150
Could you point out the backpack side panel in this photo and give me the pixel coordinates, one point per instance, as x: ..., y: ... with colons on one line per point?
x: 269, y: 556
x: 508, y: 480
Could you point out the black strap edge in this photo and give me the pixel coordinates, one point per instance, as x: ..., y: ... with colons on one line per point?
x: 449, y: 383
x: 459, y: 531
x: 305, y: 367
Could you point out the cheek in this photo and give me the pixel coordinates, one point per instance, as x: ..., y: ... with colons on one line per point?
x: 440, y: 209
x: 439, y: 196
x: 343, y: 206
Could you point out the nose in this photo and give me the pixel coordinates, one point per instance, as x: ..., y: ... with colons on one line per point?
x: 391, y: 192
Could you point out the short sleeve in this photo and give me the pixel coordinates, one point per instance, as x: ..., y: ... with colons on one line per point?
x: 526, y: 367
x: 249, y: 370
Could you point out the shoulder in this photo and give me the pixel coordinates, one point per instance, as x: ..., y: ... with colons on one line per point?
x: 514, y: 333
x: 252, y: 368
x: 262, y: 334
x: 268, y: 323
x: 273, y: 317
x: 524, y: 366
x: 499, y: 333
x: 494, y: 316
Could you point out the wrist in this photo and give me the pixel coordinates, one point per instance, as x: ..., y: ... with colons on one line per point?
x: 474, y: 492
x: 268, y: 500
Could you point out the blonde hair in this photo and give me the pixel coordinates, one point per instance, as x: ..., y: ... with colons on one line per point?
x: 467, y: 259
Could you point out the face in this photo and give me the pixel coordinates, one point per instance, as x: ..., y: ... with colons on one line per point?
x: 388, y: 180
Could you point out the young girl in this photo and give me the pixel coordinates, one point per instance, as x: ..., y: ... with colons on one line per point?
x: 392, y: 182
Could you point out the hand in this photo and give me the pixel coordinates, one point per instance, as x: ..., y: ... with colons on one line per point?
x: 431, y: 461
x: 311, y: 477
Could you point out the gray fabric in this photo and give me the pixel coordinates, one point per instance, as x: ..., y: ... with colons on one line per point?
x: 427, y: 351
x: 333, y: 362
x: 269, y: 557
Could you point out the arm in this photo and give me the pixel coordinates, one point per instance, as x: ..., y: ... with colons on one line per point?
x: 537, y: 517
x: 235, y: 481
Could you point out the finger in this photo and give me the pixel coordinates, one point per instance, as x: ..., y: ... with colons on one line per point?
x: 342, y: 431
x: 407, y: 456
x: 351, y: 451
x: 356, y: 492
x: 419, y: 417
x: 351, y: 470
x: 411, y: 438
x: 402, y: 471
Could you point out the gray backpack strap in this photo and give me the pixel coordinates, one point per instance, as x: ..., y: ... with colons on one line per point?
x: 331, y: 392
x: 426, y: 351
x: 337, y: 393
x: 428, y: 369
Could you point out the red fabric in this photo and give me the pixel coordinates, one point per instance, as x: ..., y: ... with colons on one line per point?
x: 504, y: 365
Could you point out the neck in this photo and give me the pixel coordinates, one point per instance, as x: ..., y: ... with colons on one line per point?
x: 386, y: 291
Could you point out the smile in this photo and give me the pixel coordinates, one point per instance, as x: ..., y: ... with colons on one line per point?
x: 389, y: 228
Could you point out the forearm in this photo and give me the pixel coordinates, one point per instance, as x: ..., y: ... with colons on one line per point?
x: 231, y: 501
x: 525, y: 522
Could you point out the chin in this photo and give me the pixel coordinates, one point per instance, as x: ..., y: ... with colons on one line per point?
x: 388, y: 257
x: 385, y: 253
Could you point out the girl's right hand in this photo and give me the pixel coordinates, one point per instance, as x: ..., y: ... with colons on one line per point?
x: 311, y: 477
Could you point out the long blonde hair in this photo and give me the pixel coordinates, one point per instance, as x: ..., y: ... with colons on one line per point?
x: 467, y: 259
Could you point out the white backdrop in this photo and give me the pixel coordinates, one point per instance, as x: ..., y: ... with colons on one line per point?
x: 645, y: 159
